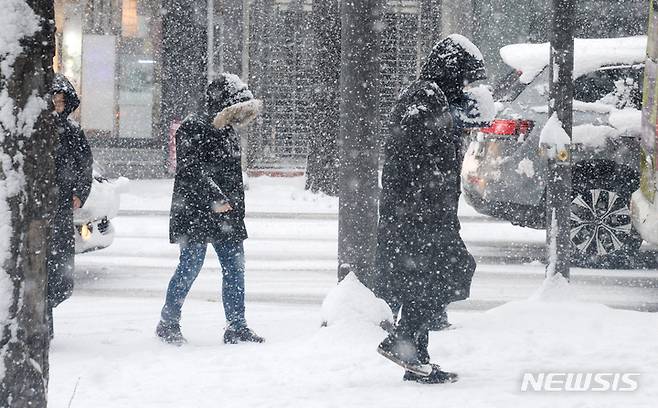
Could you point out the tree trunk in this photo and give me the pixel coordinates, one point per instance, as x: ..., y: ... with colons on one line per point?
x: 184, y: 61
x: 322, y: 161
x: 361, y: 28
x: 26, y: 192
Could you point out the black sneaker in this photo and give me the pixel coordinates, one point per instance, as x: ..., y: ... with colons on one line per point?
x: 402, y: 352
x: 437, y: 376
x: 170, y: 333
x: 241, y: 335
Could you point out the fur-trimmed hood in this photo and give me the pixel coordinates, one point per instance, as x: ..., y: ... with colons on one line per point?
x: 230, y: 102
x: 239, y: 114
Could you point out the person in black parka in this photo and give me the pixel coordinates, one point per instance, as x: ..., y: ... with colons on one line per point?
x: 73, y: 178
x: 422, y: 260
x: 208, y: 205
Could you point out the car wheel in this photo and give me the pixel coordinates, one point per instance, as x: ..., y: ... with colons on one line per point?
x: 601, y: 230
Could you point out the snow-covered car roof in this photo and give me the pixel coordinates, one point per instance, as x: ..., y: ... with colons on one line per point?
x: 590, y: 54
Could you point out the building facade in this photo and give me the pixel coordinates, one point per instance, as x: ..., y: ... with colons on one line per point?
x: 140, y: 65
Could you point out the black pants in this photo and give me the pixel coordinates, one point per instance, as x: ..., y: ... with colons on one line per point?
x: 415, y: 321
x: 60, y: 259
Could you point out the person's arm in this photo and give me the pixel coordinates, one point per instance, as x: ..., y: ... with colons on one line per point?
x: 84, y: 164
x: 194, y: 166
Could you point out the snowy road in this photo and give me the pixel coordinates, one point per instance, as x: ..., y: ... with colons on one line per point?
x: 292, y: 259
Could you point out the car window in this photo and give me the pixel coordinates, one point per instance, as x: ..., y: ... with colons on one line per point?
x: 618, y: 86
x: 509, y: 88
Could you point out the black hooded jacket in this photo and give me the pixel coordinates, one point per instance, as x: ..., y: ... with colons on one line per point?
x: 420, y: 255
x: 208, y: 171
x: 73, y: 176
x: 73, y: 157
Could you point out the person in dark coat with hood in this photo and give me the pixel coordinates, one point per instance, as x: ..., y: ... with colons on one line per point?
x: 208, y: 206
x: 422, y: 260
x: 73, y: 178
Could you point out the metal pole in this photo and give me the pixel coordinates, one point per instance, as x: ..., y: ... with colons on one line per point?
x: 558, y: 190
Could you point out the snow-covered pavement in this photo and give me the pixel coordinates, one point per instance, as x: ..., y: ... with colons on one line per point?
x: 105, y: 343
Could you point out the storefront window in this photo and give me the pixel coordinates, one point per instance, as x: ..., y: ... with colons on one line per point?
x: 107, y: 49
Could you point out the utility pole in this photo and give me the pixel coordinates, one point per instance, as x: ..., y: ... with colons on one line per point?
x: 27, y: 176
x: 358, y: 145
x: 558, y: 191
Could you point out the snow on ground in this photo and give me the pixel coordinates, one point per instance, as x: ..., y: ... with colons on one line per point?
x: 106, y: 347
x: 264, y: 194
x: 105, y: 353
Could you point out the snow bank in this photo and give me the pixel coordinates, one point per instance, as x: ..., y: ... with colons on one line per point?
x: 350, y: 301
x: 589, y: 55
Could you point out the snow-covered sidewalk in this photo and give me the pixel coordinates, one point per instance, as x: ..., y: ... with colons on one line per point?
x: 106, y: 346
x: 105, y: 353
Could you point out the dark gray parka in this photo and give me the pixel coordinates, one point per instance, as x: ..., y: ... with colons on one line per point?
x: 420, y: 255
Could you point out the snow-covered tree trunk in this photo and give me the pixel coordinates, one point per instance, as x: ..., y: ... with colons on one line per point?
x: 361, y: 28
x: 27, y: 140
x: 322, y: 161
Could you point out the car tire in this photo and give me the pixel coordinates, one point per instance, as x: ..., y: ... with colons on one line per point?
x: 601, y: 230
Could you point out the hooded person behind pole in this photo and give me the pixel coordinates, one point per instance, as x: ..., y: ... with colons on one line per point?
x: 73, y: 177
x: 208, y: 206
x: 422, y: 260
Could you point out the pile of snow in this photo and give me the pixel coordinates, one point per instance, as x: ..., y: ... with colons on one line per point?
x: 555, y: 288
x: 589, y: 55
x: 553, y: 134
x: 350, y: 301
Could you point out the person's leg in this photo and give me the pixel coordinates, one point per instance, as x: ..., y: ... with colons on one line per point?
x: 231, y: 258
x: 60, y: 260
x: 190, y: 262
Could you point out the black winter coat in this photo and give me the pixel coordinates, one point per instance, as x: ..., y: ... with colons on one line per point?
x: 421, y: 257
x: 208, y: 170
x: 73, y: 176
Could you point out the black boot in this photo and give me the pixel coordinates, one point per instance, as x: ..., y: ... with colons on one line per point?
x: 234, y: 335
x: 437, y: 376
x: 440, y: 321
x: 401, y: 350
x: 170, y: 333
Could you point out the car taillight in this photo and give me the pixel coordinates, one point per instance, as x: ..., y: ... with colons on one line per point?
x: 508, y: 127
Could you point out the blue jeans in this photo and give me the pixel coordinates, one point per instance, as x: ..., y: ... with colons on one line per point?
x: 192, y: 255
